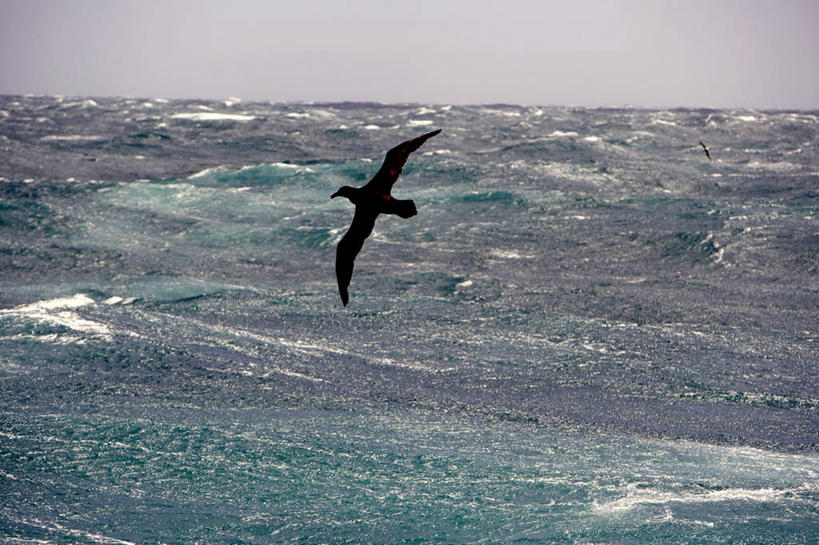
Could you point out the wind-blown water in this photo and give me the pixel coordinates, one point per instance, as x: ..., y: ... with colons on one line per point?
x: 589, y: 334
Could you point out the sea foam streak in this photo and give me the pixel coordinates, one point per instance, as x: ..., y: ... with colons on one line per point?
x: 57, y: 312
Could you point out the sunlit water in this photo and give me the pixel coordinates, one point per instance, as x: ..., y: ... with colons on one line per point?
x: 589, y: 334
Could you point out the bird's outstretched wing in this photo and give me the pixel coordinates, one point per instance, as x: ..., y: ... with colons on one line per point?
x: 394, y: 162
x: 705, y: 148
x: 349, y: 246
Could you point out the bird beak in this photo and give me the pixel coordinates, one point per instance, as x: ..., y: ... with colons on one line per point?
x: 334, y: 195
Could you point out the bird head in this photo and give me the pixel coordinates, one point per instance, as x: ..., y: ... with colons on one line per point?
x: 343, y: 191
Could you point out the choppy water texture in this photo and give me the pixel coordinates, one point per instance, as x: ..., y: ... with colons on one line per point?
x: 590, y: 333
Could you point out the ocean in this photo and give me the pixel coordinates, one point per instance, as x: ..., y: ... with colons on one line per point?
x: 590, y: 333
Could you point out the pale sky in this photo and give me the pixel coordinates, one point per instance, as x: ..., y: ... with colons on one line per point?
x: 653, y: 53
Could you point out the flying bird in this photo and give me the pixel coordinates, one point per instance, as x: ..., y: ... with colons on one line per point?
x: 370, y: 200
x: 706, y: 150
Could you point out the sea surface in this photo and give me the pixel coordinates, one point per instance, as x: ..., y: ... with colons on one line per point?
x: 590, y: 333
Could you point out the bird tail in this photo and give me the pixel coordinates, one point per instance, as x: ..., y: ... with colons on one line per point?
x: 404, y: 208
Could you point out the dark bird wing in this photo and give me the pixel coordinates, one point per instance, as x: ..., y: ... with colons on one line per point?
x: 704, y: 147
x: 394, y: 162
x: 349, y: 246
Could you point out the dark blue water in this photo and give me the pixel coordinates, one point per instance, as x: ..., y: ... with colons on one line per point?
x: 589, y: 334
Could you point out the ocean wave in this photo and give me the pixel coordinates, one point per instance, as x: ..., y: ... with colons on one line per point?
x: 60, y: 312
x: 212, y: 116
x: 638, y: 496
x: 72, y: 138
x: 563, y: 134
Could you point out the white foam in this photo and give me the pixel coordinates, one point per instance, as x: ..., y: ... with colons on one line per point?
x: 778, y: 166
x: 508, y: 254
x: 212, y: 116
x: 71, y: 138
x: 75, y: 301
x: 204, y: 172
x: 636, y: 497
x: 562, y: 134
x: 232, y: 101
x: 55, y: 311
x: 746, y: 118
x: 96, y: 538
x: 88, y: 103
x: 371, y: 127
x: 419, y: 122
x: 464, y: 284
x: 291, y: 165
x: 51, y: 338
x: 115, y: 300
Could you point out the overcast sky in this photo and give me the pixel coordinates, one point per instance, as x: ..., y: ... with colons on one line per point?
x: 714, y: 53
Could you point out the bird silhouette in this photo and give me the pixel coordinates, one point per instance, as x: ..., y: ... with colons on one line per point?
x: 370, y: 200
x: 706, y: 150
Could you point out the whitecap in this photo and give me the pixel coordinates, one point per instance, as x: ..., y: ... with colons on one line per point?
x: 205, y: 172
x: 117, y: 300
x: 371, y: 127
x: 636, y: 497
x: 778, y: 166
x: 212, y: 116
x: 59, y: 312
x: 71, y: 138
x: 88, y: 103
x: 419, y: 122
x: 508, y: 254
x: 559, y: 134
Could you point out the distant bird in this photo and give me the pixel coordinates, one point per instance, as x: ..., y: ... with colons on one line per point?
x: 371, y: 200
x: 706, y: 150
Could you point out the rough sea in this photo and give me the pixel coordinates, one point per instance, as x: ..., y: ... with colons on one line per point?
x: 590, y: 333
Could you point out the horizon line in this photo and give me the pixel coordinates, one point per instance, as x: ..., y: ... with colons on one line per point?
x: 379, y: 103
